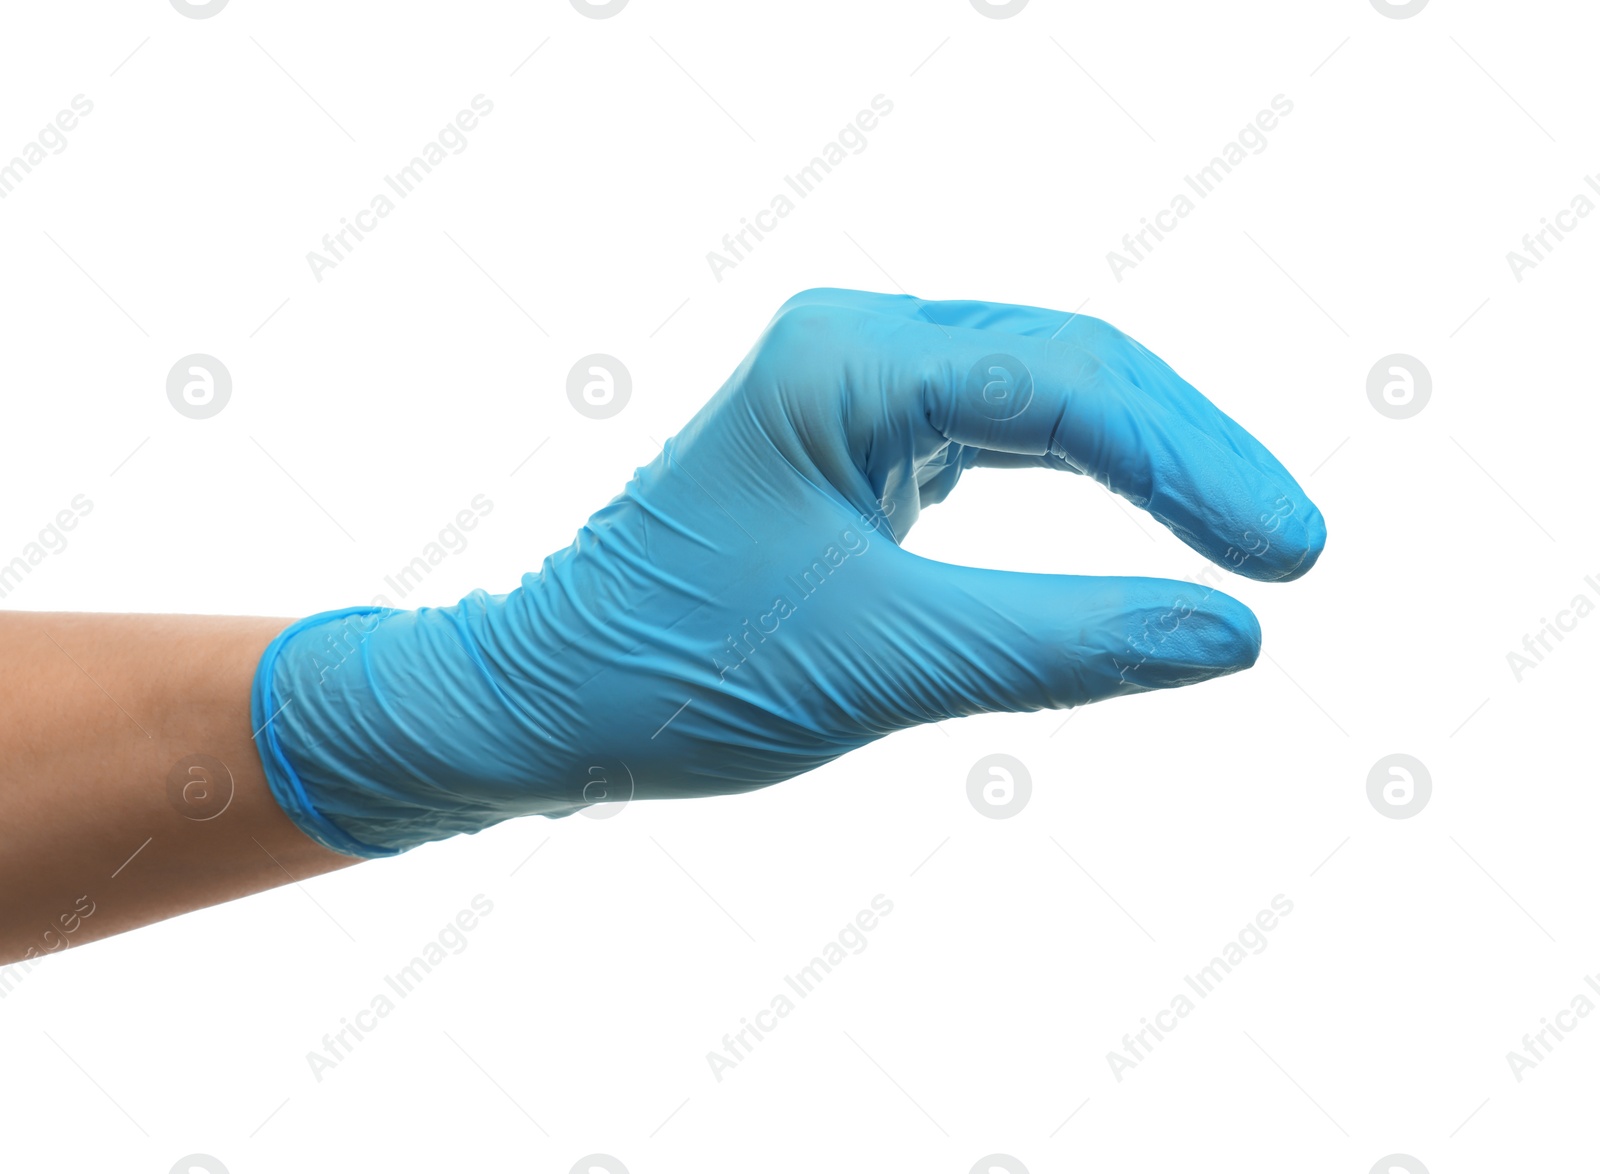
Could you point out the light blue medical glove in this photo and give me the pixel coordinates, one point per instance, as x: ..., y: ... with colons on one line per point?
x: 744, y: 612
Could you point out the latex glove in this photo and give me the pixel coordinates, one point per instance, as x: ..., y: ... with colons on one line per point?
x: 743, y: 611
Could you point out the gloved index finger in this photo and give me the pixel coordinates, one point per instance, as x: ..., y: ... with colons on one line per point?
x: 1123, y: 354
x: 1038, y: 397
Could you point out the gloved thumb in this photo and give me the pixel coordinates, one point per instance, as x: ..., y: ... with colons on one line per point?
x: 975, y: 640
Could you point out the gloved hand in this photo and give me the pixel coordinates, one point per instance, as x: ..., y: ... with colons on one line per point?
x: 743, y: 612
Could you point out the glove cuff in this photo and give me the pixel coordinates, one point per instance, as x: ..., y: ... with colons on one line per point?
x: 265, y: 708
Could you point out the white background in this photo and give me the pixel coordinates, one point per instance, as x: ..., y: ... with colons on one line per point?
x: 369, y: 407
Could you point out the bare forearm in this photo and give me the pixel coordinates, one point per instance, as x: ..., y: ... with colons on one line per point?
x: 130, y: 787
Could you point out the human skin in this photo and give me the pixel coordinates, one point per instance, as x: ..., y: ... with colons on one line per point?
x: 97, y: 710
